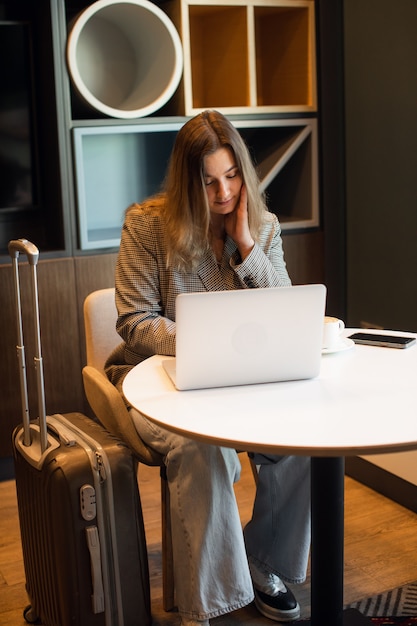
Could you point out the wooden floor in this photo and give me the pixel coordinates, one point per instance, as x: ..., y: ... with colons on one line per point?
x: 380, y: 548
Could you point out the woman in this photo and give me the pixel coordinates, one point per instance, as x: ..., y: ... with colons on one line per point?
x: 209, y: 229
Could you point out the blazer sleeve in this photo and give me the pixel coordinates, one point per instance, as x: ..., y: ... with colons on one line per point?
x: 142, y: 323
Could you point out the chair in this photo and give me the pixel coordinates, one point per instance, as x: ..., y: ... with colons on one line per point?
x: 100, y: 316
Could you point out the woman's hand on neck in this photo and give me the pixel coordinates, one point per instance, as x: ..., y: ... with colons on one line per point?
x: 236, y: 225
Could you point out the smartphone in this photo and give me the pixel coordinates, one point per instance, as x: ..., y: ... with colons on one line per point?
x: 386, y: 341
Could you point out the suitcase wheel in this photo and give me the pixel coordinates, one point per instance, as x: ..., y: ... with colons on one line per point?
x: 30, y: 616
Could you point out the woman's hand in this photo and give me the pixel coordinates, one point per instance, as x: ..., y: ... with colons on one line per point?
x: 236, y: 225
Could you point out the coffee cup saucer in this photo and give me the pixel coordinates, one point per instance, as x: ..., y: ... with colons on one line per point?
x: 344, y: 343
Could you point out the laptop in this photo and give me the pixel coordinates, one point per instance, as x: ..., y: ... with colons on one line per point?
x: 247, y: 336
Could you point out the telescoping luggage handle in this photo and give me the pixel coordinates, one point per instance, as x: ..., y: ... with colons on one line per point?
x: 31, y: 251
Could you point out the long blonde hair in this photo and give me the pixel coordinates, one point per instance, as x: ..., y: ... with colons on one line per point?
x: 185, y: 210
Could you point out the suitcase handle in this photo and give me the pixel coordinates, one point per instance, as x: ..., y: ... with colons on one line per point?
x: 16, y: 247
x: 25, y: 247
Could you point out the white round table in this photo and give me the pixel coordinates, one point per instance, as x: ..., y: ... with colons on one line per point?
x: 364, y: 401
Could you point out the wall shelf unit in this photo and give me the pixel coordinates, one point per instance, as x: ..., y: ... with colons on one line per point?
x: 116, y: 165
x: 254, y: 56
x: 285, y: 152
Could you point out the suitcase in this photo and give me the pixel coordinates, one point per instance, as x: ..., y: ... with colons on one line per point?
x: 80, y: 514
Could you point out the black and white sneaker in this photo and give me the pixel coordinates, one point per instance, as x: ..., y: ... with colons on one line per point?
x: 280, y: 608
x: 272, y: 598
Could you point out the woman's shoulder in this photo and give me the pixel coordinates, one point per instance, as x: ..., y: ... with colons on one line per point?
x: 152, y: 208
x: 147, y: 214
x: 270, y: 221
x: 144, y: 222
x: 270, y: 218
x: 270, y: 230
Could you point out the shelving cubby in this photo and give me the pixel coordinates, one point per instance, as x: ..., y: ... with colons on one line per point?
x: 116, y: 165
x: 250, y: 56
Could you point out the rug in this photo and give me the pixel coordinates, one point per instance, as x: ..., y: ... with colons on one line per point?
x: 393, y: 621
x: 397, y: 602
x: 354, y: 619
x: 357, y: 619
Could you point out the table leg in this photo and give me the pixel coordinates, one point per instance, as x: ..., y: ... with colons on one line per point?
x: 327, y: 545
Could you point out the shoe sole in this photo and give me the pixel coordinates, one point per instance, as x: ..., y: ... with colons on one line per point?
x: 276, y: 614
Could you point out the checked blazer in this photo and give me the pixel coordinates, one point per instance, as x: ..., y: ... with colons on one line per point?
x: 146, y: 288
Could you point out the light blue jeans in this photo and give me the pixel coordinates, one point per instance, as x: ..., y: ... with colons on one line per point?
x: 211, y: 570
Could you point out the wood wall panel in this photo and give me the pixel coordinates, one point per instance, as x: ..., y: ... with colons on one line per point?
x: 304, y: 255
x: 60, y: 344
x: 63, y: 285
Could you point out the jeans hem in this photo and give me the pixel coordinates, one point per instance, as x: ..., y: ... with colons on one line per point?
x: 222, y: 611
x: 287, y: 579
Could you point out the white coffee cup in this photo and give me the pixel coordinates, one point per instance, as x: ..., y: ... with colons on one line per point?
x: 332, y: 330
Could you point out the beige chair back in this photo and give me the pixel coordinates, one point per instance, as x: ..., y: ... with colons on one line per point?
x: 100, y: 315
